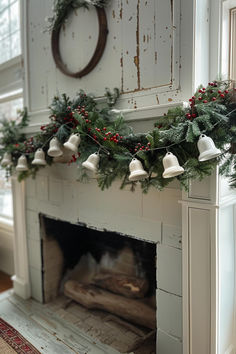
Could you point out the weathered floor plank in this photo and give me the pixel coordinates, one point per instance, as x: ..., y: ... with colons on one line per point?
x: 53, y: 328
x: 57, y: 326
x: 35, y: 334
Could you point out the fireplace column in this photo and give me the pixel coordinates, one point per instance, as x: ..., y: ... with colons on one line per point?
x: 21, y: 283
x: 205, y: 226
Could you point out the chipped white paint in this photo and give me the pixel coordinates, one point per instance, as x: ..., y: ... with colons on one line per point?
x: 152, y: 62
x: 141, y: 57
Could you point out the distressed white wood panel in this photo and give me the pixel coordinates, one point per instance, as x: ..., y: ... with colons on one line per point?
x: 38, y: 52
x: 140, y: 53
x: 161, y: 71
x: 130, y: 16
x: 202, y: 42
x: 78, y: 38
x: 200, y: 280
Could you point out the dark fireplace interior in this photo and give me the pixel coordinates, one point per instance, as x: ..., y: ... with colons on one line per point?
x: 108, y: 275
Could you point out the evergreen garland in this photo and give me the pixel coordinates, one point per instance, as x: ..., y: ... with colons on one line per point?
x: 211, y: 111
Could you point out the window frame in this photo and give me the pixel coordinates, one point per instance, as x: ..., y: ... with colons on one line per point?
x: 11, y: 87
x: 9, y: 34
x: 232, y: 43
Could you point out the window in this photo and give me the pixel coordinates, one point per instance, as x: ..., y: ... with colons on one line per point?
x: 10, y: 84
x: 9, y: 30
x: 232, y: 45
x: 8, y: 110
x: 228, y: 39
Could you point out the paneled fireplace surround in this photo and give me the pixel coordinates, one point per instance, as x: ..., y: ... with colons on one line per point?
x: 155, y: 217
x: 186, y: 289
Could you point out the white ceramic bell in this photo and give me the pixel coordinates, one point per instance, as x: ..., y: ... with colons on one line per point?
x: 207, y: 148
x: 92, y: 162
x: 22, y: 164
x: 136, y: 170
x: 73, y: 143
x: 39, y: 158
x: 171, y: 166
x: 6, y: 159
x: 54, y: 148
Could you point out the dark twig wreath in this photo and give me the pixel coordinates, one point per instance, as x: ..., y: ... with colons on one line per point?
x: 62, y: 9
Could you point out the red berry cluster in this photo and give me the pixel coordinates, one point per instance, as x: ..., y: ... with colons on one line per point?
x: 74, y: 158
x: 115, y: 137
x: 140, y: 147
x: 190, y: 116
x: 29, y: 145
x: 213, y: 84
x: 49, y: 128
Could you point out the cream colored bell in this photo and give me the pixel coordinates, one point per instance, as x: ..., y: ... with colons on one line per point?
x: 73, y: 143
x: 207, y: 148
x: 136, y: 170
x: 171, y: 166
x: 54, y: 148
x: 22, y: 164
x: 92, y: 162
x: 39, y: 158
x: 6, y: 159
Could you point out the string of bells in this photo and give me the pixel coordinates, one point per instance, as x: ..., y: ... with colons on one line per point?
x: 172, y: 168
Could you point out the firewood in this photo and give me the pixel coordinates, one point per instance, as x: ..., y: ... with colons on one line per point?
x: 122, y: 284
x: 93, y: 297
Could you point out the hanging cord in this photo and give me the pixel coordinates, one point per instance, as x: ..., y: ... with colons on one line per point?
x: 167, y: 147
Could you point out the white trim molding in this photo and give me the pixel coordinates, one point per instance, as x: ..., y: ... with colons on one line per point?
x: 21, y: 283
x: 200, y: 267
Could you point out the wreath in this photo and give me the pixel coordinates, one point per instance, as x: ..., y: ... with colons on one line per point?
x: 99, y: 139
x: 61, y: 11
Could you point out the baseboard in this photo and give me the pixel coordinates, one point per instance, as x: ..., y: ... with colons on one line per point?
x: 21, y: 288
x: 231, y: 350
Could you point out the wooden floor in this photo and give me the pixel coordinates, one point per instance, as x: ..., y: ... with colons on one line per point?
x: 47, y: 328
x: 5, y: 282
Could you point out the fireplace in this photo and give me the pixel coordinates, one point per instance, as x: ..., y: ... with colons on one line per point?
x: 127, y: 219
x: 107, y: 278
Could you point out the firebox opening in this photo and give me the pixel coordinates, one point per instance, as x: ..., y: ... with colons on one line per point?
x: 106, y: 274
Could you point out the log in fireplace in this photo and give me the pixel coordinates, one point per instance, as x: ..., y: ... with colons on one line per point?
x: 108, y: 277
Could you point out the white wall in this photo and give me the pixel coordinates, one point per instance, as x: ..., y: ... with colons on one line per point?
x: 6, y: 249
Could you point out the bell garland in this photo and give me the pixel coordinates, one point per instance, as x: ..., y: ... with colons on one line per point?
x: 183, y: 144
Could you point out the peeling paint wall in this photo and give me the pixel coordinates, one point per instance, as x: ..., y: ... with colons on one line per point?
x: 141, y: 57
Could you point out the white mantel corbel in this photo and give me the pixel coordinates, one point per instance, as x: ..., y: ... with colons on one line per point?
x: 21, y: 282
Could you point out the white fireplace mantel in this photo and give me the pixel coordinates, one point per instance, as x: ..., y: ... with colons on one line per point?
x: 201, y: 210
